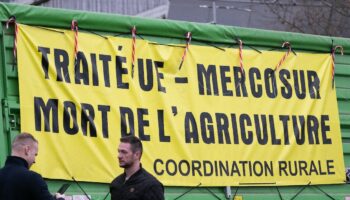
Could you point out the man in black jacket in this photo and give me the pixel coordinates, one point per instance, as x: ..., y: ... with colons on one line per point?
x: 135, y: 183
x: 17, y: 182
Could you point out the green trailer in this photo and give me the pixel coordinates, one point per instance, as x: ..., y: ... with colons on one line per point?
x: 168, y: 31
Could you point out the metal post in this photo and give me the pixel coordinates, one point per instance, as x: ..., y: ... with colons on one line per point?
x: 228, y: 193
x: 214, y: 12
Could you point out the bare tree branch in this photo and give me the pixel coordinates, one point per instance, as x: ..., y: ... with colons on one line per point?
x: 325, y: 17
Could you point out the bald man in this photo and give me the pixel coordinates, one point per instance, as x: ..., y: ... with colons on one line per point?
x: 17, y: 182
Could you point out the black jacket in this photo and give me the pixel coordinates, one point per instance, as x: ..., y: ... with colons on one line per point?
x: 17, y: 182
x: 140, y: 186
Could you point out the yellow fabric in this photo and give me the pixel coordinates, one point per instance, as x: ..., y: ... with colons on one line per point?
x: 201, y: 124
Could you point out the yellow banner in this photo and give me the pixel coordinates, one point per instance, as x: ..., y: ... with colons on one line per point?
x: 205, y: 123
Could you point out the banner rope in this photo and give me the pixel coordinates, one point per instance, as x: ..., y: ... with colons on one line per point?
x: 74, y: 27
x: 325, y: 193
x: 188, y: 41
x: 133, y: 34
x: 183, y: 194
x: 334, y: 49
x: 235, y: 194
x: 12, y: 20
x: 279, y: 193
x: 212, y: 193
x: 285, y: 44
x: 302, y: 189
x: 241, y: 55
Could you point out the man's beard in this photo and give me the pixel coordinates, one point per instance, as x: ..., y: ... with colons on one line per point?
x: 125, y: 165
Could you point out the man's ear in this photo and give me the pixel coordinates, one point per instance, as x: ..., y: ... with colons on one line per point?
x: 138, y: 154
x: 26, y: 149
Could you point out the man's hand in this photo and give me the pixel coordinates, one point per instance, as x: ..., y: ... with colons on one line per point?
x: 59, y: 196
